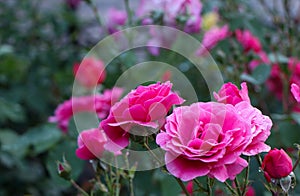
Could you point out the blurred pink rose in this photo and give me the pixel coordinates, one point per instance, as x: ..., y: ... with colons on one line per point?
x: 172, y: 10
x: 205, y: 139
x: 248, y: 41
x: 91, y: 144
x: 295, y: 90
x: 99, y: 103
x: 260, y: 128
x: 277, y: 164
x: 250, y: 191
x: 230, y: 94
x: 212, y: 37
x: 263, y: 59
x: 115, y: 18
x: 144, y: 107
x: 90, y: 72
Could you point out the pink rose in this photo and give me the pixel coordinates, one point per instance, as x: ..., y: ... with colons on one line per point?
x: 260, y: 128
x: 115, y: 18
x: 263, y: 59
x: 212, y: 37
x: 230, y: 94
x: 143, y: 108
x: 276, y: 164
x: 91, y: 144
x: 205, y: 139
x: 248, y: 41
x: 295, y: 90
x: 90, y: 72
x: 99, y: 103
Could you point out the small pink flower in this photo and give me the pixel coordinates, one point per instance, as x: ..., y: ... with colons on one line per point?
x: 248, y: 41
x: 90, y: 72
x: 142, y: 109
x: 205, y: 139
x: 230, y: 94
x: 295, y: 90
x: 212, y: 37
x: 99, y: 103
x: 115, y: 18
x: 91, y: 144
x: 276, y: 164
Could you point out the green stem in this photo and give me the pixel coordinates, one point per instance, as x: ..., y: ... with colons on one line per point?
x: 246, y: 178
x: 200, y: 185
x: 296, y: 163
x: 117, y: 178
x: 230, y: 188
x: 238, y: 188
x: 258, y: 158
x: 78, y: 188
x: 209, y: 187
x: 95, y: 11
x: 182, y: 186
x: 129, y: 13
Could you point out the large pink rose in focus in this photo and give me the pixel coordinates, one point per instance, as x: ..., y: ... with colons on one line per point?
x: 144, y: 107
x: 99, y: 103
x: 260, y: 128
x: 205, y: 139
x: 230, y: 94
x: 91, y: 144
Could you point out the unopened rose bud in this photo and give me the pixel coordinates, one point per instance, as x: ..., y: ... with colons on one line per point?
x: 64, y: 169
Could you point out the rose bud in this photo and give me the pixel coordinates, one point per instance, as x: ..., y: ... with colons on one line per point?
x: 276, y: 164
x: 64, y: 169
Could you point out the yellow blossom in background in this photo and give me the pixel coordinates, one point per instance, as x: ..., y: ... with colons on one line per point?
x: 209, y: 20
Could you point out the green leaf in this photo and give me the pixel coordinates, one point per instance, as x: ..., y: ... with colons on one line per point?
x: 42, y: 138
x: 289, y: 133
x: 10, y: 142
x: 261, y: 73
x: 278, y: 58
x: 11, y: 111
x: 296, y: 117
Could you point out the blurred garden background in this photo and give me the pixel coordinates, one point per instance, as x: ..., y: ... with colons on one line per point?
x: 41, y: 41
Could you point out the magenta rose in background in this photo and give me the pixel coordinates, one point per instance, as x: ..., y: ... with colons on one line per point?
x: 230, y: 94
x: 91, y: 144
x: 146, y: 106
x: 99, y: 103
x: 276, y: 164
x: 115, y: 19
x: 295, y: 90
x: 248, y: 41
x: 205, y: 139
